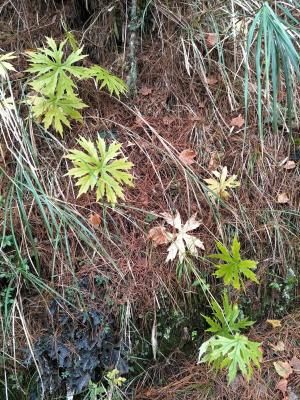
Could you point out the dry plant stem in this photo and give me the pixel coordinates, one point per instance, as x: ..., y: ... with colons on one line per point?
x: 132, y: 77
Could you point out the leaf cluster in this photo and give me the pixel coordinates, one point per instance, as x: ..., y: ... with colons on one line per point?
x: 226, y: 321
x: 235, y: 353
x: 233, y: 268
x: 56, y: 101
x: 100, y: 167
x: 219, y: 186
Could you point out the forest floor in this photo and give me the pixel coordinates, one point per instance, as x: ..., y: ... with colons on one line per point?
x: 128, y: 280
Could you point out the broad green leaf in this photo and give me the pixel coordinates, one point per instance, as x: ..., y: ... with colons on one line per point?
x: 98, y: 166
x: 56, y: 112
x: 234, y: 268
x: 226, y: 321
x: 235, y: 353
x: 53, y: 72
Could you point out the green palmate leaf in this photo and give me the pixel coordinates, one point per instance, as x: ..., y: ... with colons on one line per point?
x: 54, y: 73
x: 235, y: 353
x: 99, y: 167
x: 56, y: 112
x: 5, y: 65
x: 233, y: 267
x: 226, y: 321
x: 104, y: 78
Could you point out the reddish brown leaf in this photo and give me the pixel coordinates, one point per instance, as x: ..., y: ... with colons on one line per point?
x: 212, y: 80
x: 295, y: 363
x: 238, y: 121
x: 213, y: 162
x: 197, y: 118
x: 139, y: 122
x: 187, y: 156
x: 283, y: 368
x: 211, y: 39
x: 158, y: 235
x: 167, y: 120
x: 282, y: 386
x: 145, y: 91
x: 95, y: 220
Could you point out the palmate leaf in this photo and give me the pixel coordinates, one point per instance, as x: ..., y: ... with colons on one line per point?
x: 98, y: 166
x: 54, y: 73
x: 104, y: 78
x: 226, y: 321
x: 5, y: 65
x: 234, y: 267
x: 182, y: 243
x: 56, y: 112
x: 219, y: 187
x: 233, y: 353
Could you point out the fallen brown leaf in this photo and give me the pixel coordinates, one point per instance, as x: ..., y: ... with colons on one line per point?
x: 283, y: 368
x: 295, y: 363
x: 212, y: 80
x: 145, y: 91
x: 158, y: 235
x: 289, y: 165
x: 278, y: 347
x: 275, y: 323
x: 168, y: 120
x: 282, y: 386
x: 95, y: 219
x: 238, y: 121
x: 187, y: 156
x: 282, y: 198
x: 211, y: 39
x: 139, y: 122
x: 213, y: 163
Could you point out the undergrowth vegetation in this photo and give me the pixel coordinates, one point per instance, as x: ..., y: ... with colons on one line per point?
x: 149, y: 200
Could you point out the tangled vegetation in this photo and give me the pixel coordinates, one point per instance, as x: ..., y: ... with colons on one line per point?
x: 160, y: 260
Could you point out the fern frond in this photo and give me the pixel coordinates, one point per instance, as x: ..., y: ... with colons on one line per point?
x: 104, y: 78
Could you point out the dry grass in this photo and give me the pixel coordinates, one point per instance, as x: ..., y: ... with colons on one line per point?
x: 181, y: 111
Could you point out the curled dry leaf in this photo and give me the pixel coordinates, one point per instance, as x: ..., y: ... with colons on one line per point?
x: 289, y: 165
x: 95, y: 220
x: 159, y: 235
x: 295, y: 363
x: 211, y: 39
x: 283, y: 368
x: 282, y: 386
x: 282, y: 198
x: 145, y: 90
x: 213, y: 162
x: 187, y: 156
x: 275, y: 323
x: 212, y: 80
x: 238, y: 121
x: 280, y: 346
